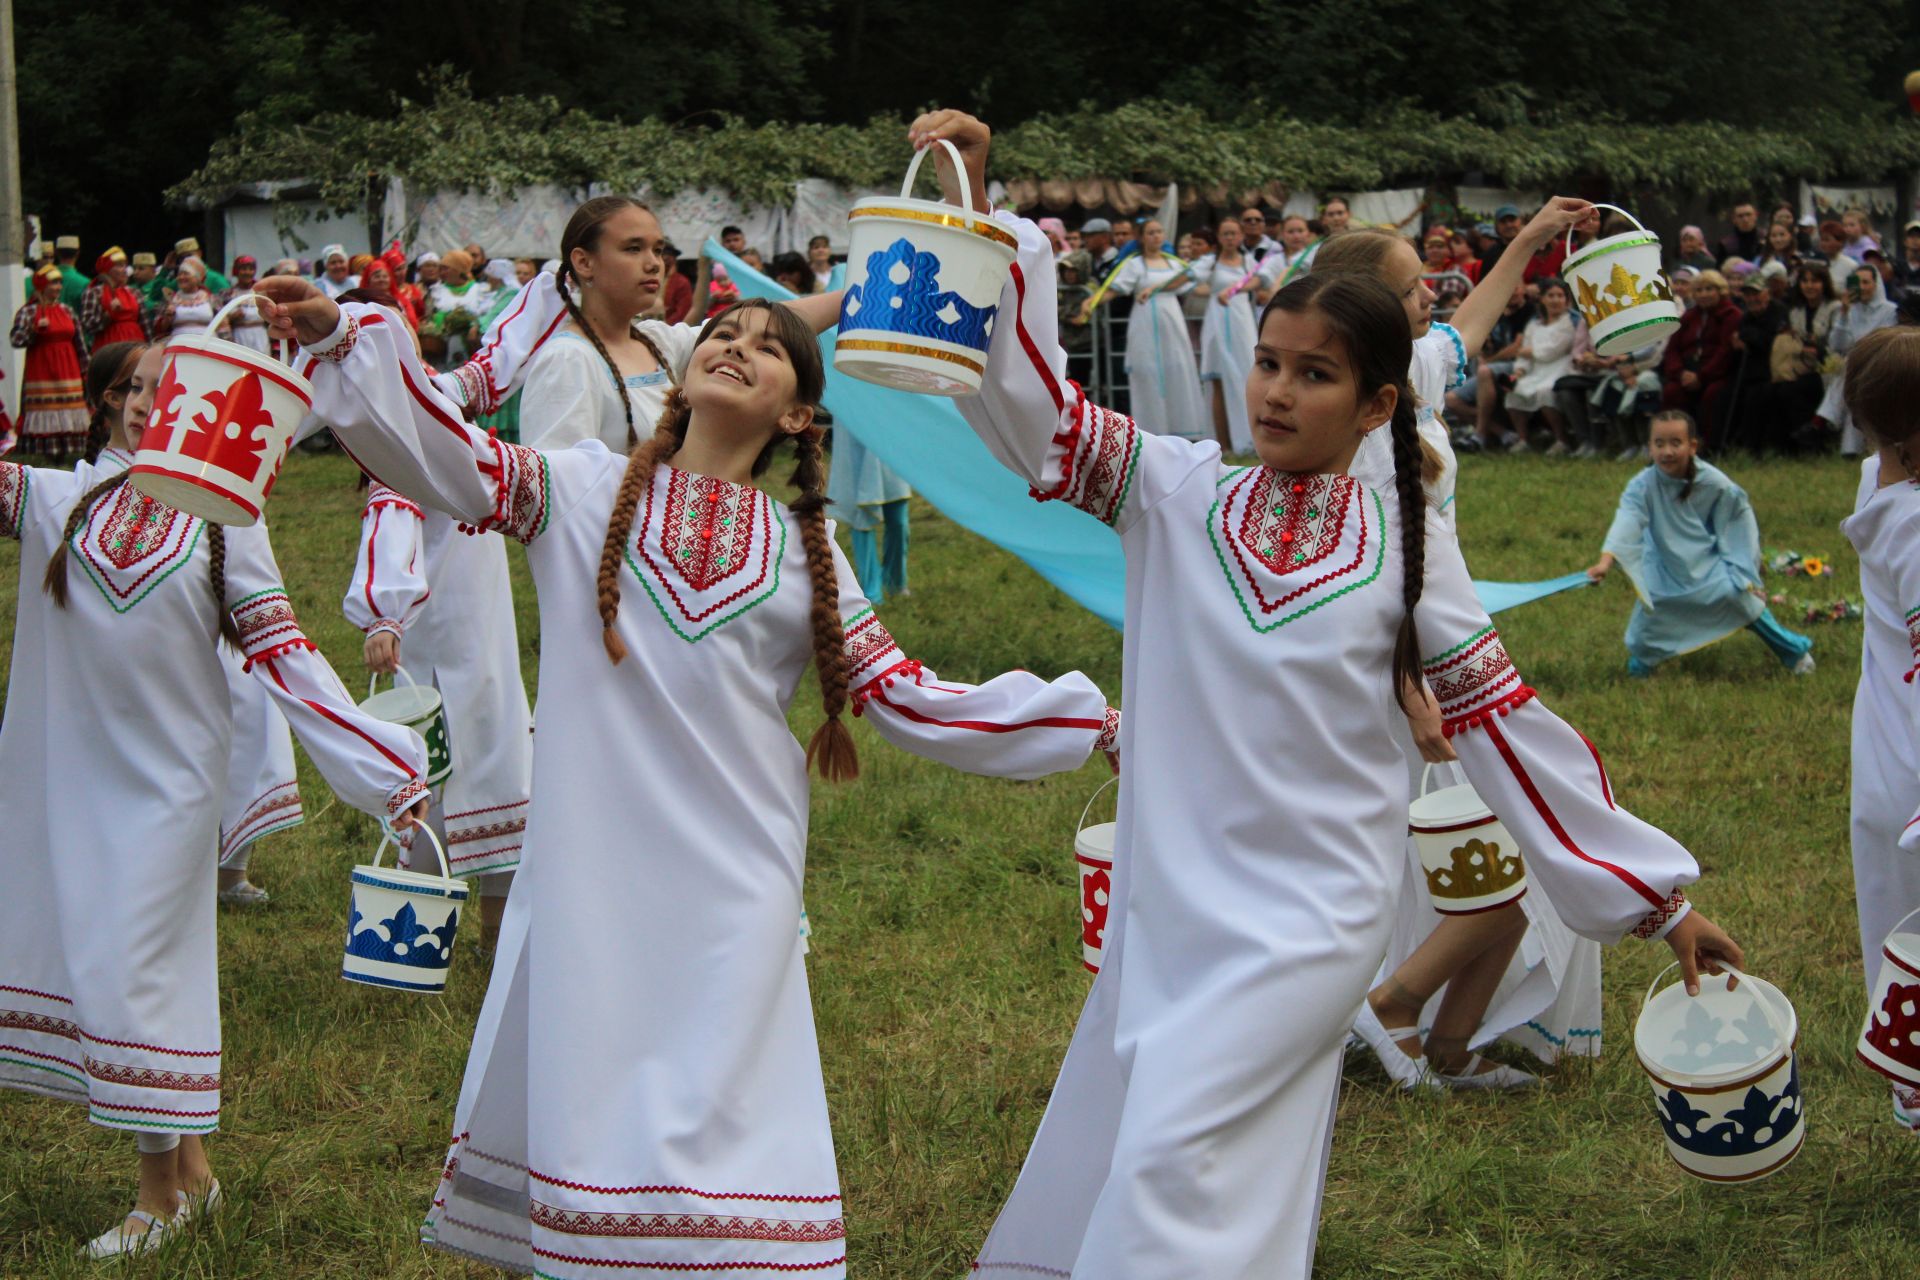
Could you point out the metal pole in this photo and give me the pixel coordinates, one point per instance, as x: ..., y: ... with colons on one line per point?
x: 12, y: 233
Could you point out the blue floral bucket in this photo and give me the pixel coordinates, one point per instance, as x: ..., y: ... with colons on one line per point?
x: 1726, y: 1077
x: 401, y: 924
x: 923, y: 289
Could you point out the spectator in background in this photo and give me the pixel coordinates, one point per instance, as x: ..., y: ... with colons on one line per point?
x: 1748, y: 417
x: 1493, y: 373
x: 474, y: 251
x: 1435, y: 255
x: 142, y: 272
x: 1863, y: 308
x: 1506, y: 225
x: 1253, y: 225
x: 1546, y: 262
x: 1806, y: 235
x: 1780, y: 247
x: 1840, y: 265
x: 1906, y: 263
x: 677, y: 297
x: 1573, y: 393
x: 335, y: 278
x: 1798, y: 352
x: 1337, y: 214
x: 1693, y: 250
x: 1096, y: 237
x: 1699, y: 359
x: 1056, y: 233
x: 1125, y: 239
x: 66, y: 252
x: 1461, y: 257
x: 1744, y: 241
x: 751, y: 256
x: 1545, y: 357
x: 792, y: 271
x: 1074, y: 244
x: 524, y: 270
x: 1076, y: 339
x: 1856, y: 226
x: 733, y: 240
x: 820, y: 259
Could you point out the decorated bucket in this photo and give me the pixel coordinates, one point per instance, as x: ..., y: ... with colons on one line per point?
x: 401, y: 924
x: 418, y: 707
x: 1093, y: 850
x: 1471, y: 862
x: 1620, y: 290
x: 223, y: 418
x: 923, y: 286
x: 1890, y: 1040
x: 1726, y: 1078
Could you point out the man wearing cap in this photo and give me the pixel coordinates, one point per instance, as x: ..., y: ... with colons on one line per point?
x: 1906, y: 263
x: 142, y: 271
x: 1096, y: 237
x: 66, y: 252
x: 1506, y: 225
x: 185, y: 248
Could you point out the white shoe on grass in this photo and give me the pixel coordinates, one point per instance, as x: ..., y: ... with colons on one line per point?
x: 1804, y: 667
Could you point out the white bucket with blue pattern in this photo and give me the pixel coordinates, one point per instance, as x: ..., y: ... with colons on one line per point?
x: 401, y: 924
x: 923, y: 289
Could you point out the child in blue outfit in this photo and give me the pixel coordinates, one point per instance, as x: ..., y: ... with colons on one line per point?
x: 1686, y: 536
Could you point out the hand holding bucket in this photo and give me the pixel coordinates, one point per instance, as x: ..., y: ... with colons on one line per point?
x: 223, y: 418
x: 1620, y: 290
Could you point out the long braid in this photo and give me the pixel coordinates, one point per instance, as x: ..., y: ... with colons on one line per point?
x: 831, y: 749
x: 1408, y: 470
x: 641, y: 461
x: 54, y: 581
x: 217, y: 577
x: 580, y: 318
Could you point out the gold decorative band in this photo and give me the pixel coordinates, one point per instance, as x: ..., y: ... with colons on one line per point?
x: 958, y: 222
x: 906, y: 349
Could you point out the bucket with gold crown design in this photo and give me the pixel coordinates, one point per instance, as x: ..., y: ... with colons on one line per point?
x: 923, y: 288
x: 1620, y: 290
x: 223, y: 418
x: 1890, y: 1040
x: 1472, y: 864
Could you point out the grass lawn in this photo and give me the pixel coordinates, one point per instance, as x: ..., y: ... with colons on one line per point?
x: 946, y: 972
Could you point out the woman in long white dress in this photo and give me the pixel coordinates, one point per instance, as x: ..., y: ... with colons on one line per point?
x: 1275, y: 617
x: 1546, y: 356
x: 1226, y: 334
x: 115, y: 747
x: 1162, y: 379
x: 644, y: 1091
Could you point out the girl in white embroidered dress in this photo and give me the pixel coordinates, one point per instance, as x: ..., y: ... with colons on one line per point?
x: 1882, y: 385
x: 1252, y: 913
x: 115, y: 749
x: 644, y: 1089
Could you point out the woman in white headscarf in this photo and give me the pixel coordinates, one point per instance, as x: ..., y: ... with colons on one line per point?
x: 335, y: 277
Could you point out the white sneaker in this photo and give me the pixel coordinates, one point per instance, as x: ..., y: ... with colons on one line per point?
x: 1804, y: 667
x: 111, y: 1244
x: 1481, y: 1074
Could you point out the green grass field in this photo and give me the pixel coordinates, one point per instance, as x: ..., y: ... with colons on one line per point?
x: 946, y: 970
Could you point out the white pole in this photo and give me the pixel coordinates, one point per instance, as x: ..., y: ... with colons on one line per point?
x: 12, y: 231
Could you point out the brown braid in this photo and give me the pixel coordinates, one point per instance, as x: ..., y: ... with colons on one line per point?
x: 217, y: 576
x: 580, y: 318
x: 641, y: 462
x: 1410, y: 485
x: 583, y: 232
x: 831, y: 748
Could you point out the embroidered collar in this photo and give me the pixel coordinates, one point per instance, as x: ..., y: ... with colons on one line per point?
x: 130, y: 544
x: 706, y: 550
x: 1289, y: 544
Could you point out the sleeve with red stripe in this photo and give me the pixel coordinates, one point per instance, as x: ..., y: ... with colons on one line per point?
x: 389, y: 584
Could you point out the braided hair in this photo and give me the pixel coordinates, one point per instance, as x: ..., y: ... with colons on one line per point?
x: 583, y: 232
x: 831, y: 749
x: 1366, y: 319
x: 109, y: 372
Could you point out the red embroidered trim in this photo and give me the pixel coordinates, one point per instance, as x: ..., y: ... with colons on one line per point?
x: 484, y: 853
x: 153, y: 1111
x: 271, y: 808
x: 537, y: 1176
x: 338, y: 351
x: 686, y: 1226
x: 660, y: 576
x: 49, y: 1057
x: 1484, y: 715
x: 1465, y: 655
x: 380, y: 495
x: 1292, y: 522
x: 1109, y: 731
x: 883, y: 679
x: 43, y: 995
x: 405, y: 797
x: 1238, y: 506
x: 1109, y: 472
x: 136, y: 527
x: 689, y: 1266
x: 496, y: 808
x: 21, y: 1020
x: 13, y: 498
x: 90, y: 538
x: 706, y: 527
x: 266, y: 622
x: 1066, y: 443
x: 1476, y: 679
x: 1657, y: 918
x: 282, y: 650
x: 385, y: 624
x: 144, y: 1078
x: 867, y: 642
x: 488, y: 831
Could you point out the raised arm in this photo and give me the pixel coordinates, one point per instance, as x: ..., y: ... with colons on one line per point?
x: 1475, y: 317
x: 1015, y: 725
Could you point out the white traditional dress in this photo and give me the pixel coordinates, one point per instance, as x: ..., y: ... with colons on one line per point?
x: 1188, y: 1131
x: 644, y: 1091
x: 1162, y: 379
x: 115, y: 751
x: 1885, y: 529
x: 262, y: 792
x: 1227, y: 338
x: 571, y: 395
x: 446, y: 595
x: 1550, y: 358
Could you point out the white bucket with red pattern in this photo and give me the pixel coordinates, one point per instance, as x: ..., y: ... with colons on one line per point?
x: 223, y: 418
x: 1890, y: 1040
x: 1093, y: 851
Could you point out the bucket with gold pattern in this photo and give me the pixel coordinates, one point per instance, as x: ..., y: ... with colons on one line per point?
x: 1471, y: 862
x: 1620, y: 290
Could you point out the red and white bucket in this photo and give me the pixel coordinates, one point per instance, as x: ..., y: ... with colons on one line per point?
x: 222, y: 421
x: 1890, y: 1040
x: 1093, y: 850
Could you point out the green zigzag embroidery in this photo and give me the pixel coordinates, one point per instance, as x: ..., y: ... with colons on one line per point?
x: 779, y: 554
x: 101, y: 587
x: 1448, y: 653
x: 1380, y: 558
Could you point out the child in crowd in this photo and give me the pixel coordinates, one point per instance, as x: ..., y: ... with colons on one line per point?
x: 1686, y: 535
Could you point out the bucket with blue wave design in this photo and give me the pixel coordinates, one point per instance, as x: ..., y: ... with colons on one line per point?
x: 923, y: 289
x: 401, y: 924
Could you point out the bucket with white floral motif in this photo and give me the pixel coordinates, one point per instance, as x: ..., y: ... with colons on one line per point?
x: 401, y: 924
x: 223, y: 418
x: 1890, y: 1040
x: 923, y: 289
x: 1471, y: 861
x: 1093, y: 850
x: 419, y: 708
x: 1726, y: 1077
x: 1620, y: 290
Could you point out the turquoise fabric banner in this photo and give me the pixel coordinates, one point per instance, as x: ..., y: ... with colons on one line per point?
x: 925, y: 439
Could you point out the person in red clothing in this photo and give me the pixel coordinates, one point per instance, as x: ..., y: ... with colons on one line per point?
x: 53, y: 402
x: 110, y: 309
x: 678, y: 295
x: 1699, y: 359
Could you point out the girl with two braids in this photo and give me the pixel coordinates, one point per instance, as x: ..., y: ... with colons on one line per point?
x: 644, y: 1088
x: 1280, y: 618
x: 115, y: 747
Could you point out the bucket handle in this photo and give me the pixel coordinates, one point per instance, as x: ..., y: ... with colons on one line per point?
x: 1426, y: 775
x: 1766, y: 1005
x: 1617, y: 209
x: 399, y: 673
x: 1097, y: 792
x: 960, y: 167
x: 388, y: 837
x: 239, y: 301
